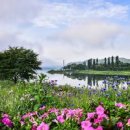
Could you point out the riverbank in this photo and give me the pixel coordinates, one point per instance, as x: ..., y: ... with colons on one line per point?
x: 109, y: 73
x: 92, y: 72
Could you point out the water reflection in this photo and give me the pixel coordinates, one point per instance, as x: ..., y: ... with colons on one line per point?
x: 90, y: 81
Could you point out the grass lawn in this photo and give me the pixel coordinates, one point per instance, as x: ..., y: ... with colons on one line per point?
x: 94, y: 72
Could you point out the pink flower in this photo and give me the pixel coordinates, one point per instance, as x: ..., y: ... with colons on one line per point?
x: 22, y: 122
x: 100, y: 110
x: 60, y: 119
x: 6, y: 121
x: 64, y: 111
x: 34, y: 127
x: 54, y: 110
x: 43, y: 126
x: 85, y: 125
x: 28, y: 115
x: 42, y: 108
x: 128, y: 123
x: 100, y: 118
x: 90, y: 115
x: 119, y: 124
x: 45, y: 115
x: 89, y: 128
x: 99, y: 128
x: 120, y: 105
x: 71, y: 113
x: 32, y: 120
x: 5, y: 116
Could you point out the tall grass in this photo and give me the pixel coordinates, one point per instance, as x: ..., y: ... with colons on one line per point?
x: 21, y: 98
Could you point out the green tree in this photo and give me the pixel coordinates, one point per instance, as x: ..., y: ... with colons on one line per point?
x: 18, y: 64
x: 94, y: 63
x: 105, y: 61
x: 112, y: 62
x: 90, y: 64
x: 108, y: 61
x: 97, y: 61
x: 117, y: 61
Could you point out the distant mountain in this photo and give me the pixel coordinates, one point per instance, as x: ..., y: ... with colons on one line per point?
x: 49, y: 65
x: 124, y: 60
x: 78, y: 62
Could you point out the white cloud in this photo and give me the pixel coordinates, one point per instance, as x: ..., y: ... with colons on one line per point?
x: 69, y: 31
x: 15, y: 11
x: 57, y: 14
x: 90, y: 33
x: 96, y: 38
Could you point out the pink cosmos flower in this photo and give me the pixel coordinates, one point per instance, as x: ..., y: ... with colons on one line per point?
x: 22, y: 122
x: 42, y: 108
x: 120, y: 105
x: 43, y: 126
x: 85, y: 125
x: 54, y: 110
x: 100, y: 118
x: 71, y: 113
x: 45, y: 115
x: 60, y: 119
x: 100, y: 110
x: 89, y: 128
x: 5, y: 116
x: 34, y: 127
x: 128, y: 123
x: 99, y: 128
x: 32, y: 120
x: 28, y: 115
x: 79, y: 112
x: 6, y: 121
x: 119, y: 124
x: 64, y: 111
x: 90, y: 115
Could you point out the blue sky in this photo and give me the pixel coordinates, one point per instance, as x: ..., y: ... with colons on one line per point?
x: 70, y: 30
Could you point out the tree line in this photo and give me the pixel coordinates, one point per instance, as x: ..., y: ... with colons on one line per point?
x: 108, y: 63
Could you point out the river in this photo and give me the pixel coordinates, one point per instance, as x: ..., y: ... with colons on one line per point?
x: 83, y: 80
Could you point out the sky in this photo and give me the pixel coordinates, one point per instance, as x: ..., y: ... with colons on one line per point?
x: 70, y: 30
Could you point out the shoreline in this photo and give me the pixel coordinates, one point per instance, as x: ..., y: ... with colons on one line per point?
x: 92, y: 72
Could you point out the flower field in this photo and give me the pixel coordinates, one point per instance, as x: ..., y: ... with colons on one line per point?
x: 74, y: 119
x: 44, y: 106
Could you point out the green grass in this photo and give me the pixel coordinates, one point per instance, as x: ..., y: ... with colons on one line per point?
x: 21, y: 98
x: 95, y: 72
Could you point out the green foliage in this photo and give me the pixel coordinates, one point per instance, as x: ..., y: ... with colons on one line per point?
x: 110, y: 63
x: 18, y: 64
x: 75, y: 67
x: 18, y: 99
x: 41, y: 77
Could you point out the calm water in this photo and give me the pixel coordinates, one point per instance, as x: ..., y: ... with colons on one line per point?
x: 82, y: 80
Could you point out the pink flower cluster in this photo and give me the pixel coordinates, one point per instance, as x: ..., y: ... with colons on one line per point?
x: 120, y: 105
x: 42, y: 119
x: 75, y: 114
x: 31, y: 116
x: 6, y: 120
x: 128, y: 123
x: 120, y: 125
x: 61, y: 117
x: 94, y: 119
